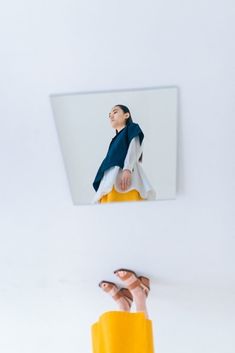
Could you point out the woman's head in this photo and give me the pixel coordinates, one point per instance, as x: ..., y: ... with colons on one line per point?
x: 120, y: 116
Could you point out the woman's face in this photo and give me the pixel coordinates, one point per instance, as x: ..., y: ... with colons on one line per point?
x: 118, y: 118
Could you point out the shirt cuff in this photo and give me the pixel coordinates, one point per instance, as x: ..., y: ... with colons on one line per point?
x: 128, y: 168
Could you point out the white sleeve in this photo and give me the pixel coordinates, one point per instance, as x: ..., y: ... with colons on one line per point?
x: 133, y: 153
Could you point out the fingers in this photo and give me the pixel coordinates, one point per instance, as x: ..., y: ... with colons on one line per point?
x: 122, y: 184
x: 125, y: 182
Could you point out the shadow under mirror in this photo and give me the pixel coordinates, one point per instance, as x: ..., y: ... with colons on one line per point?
x: 118, y: 146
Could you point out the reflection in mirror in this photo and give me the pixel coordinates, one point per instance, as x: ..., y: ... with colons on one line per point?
x: 118, y: 146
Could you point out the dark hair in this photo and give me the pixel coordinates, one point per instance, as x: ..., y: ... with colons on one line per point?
x: 128, y: 120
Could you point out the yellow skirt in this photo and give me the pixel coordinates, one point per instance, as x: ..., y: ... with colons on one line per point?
x: 122, y: 332
x: 115, y: 196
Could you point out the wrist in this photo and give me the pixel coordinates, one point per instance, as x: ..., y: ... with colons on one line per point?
x: 127, y: 169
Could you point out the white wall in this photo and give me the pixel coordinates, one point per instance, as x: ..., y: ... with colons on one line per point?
x: 53, y: 254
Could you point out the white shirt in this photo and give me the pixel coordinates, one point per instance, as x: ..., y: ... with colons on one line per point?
x: 139, y: 181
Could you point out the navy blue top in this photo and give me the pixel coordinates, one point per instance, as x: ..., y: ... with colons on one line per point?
x: 117, y: 150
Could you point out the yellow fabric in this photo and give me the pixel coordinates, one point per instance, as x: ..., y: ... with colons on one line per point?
x: 122, y: 332
x: 115, y: 196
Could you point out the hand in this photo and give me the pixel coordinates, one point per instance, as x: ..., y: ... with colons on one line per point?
x: 125, y: 179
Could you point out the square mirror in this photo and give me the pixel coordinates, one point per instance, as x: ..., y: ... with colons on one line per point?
x: 118, y: 145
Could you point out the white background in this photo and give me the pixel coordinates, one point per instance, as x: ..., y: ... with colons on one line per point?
x: 53, y: 254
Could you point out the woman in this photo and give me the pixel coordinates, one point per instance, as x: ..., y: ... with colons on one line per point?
x: 120, y: 176
x: 123, y: 331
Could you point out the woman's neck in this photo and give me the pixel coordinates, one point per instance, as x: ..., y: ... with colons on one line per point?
x: 120, y: 128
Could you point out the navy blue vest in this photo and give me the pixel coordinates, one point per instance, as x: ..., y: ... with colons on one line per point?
x: 117, y: 150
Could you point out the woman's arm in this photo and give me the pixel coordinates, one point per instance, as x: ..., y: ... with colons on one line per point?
x: 133, y: 155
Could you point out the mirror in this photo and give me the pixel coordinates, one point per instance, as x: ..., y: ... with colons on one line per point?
x: 85, y: 124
